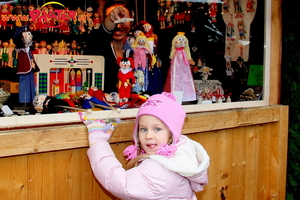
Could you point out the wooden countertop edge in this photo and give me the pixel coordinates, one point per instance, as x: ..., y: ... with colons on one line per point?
x: 53, y: 138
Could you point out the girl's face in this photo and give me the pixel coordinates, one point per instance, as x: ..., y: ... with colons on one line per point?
x: 152, y: 133
x: 27, y: 37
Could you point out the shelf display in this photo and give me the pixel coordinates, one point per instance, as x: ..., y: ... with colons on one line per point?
x: 220, y: 34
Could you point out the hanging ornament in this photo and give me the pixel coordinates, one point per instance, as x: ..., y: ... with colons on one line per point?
x: 250, y: 6
x: 212, y: 10
x: 225, y: 6
x: 230, y: 29
x: 241, y: 27
x: 237, y: 8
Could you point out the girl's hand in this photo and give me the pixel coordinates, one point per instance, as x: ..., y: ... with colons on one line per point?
x: 99, y: 129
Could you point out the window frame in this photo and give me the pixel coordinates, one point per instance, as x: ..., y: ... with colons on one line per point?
x: 271, y: 60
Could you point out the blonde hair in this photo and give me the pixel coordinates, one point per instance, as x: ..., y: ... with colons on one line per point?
x: 141, y: 36
x: 61, y: 44
x: 186, y: 48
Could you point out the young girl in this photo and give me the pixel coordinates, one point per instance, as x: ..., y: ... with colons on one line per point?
x: 168, y: 165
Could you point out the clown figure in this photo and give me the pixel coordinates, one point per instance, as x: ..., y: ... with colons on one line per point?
x: 180, y: 74
x: 126, y: 79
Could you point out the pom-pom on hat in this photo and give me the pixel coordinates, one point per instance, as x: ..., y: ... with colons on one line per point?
x: 164, y: 107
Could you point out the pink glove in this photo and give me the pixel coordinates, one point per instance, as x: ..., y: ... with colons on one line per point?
x: 99, y: 129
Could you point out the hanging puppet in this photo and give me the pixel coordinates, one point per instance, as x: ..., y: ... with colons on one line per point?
x: 26, y: 65
x: 142, y: 57
x: 250, y: 7
x: 126, y: 79
x: 180, y: 72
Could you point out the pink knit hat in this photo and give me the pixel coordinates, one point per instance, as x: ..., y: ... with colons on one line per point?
x: 164, y: 107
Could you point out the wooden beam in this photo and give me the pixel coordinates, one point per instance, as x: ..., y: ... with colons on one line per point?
x: 52, y: 138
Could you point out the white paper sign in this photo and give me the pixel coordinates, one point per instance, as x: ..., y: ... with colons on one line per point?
x: 6, y: 110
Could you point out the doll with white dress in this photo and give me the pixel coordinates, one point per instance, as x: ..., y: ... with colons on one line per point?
x: 180, y: 71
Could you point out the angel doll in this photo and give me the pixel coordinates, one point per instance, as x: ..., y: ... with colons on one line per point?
x: 180, y: 72
x: 126, y: 79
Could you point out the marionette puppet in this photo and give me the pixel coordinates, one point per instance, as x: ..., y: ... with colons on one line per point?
x: 55, y: 47
x: 49, y: 49
x: 161, y: 14
x: 26, y: 64
x: 241, y: 71
x: 62, y: 48
x: 74, y: 48
x: 250, y: 7
x: 169, y: 13
x: 142, y: 57
x: 225, y: 6
x: 97, y: 20
x: 151, y: 37
x: 213, y: 8
x: 4, y: 11
x: 241, y: 29
x: 180, y: 72
x: 141, y: 49
x: 127, y: 47
x: 42, y: 48
x: 126, y: 79
x: 11, y: 52
x: 4, y: 53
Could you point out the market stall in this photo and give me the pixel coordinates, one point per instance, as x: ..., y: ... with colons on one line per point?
x: 236, y: 115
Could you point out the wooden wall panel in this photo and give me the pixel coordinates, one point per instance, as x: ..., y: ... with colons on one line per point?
x: 248, y: 159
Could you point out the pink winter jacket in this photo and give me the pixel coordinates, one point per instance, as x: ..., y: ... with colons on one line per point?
x: 158, y: 177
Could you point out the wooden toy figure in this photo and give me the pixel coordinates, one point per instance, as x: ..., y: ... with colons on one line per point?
x: 97, y: 20
x: 151, y: 37
x: 225, y: 6
x: 4, y: 53
x: 237, y: 8
x: 241, y: 28
x: 213, y: 8
x: 126, y: 79
x: 161, y: 15
x: 4, y: 11
x: 11, y: 51
x: 250, y: 6
x: 74, y: 49
x: 180, y: 72
x: 62, y: 48
x: 42, y: 49
x: 26, y: 64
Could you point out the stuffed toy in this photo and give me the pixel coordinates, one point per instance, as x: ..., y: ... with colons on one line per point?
x: 136, y: 100
x: 88, y: 102
x: 43, y: 103
x: 126, y: 79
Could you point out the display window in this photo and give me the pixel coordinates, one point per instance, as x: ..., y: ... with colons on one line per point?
x: 211, y: 54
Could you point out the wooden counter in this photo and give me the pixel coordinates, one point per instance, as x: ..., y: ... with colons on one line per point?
x: 247, y: 147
